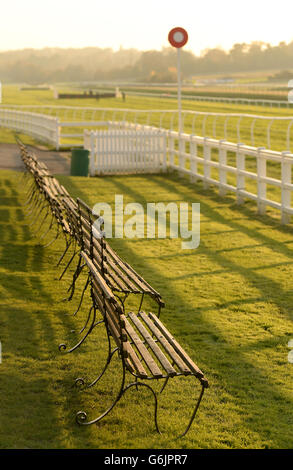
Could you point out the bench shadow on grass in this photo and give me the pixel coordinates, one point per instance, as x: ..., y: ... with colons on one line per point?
x: 8, y: 194
x: 31, y: 375
x: 264, y: 389
x: 34, y: 386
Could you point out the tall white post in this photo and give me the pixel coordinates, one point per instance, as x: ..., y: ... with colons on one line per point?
x: 178, y: 37
x: 179, y: 90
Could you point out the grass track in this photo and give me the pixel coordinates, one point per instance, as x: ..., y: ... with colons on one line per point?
x: 12, y: 95
x: 229, y: 302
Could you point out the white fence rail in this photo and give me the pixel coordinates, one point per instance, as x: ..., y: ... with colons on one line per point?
x: 269, y: 131
x: 114, y: 151
x: 236, y: 167
x: 40, y: 126
x: 257, y: 174
x: 47, y: 128
x: 217, y: 99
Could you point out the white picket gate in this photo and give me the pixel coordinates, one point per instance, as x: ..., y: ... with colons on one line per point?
x: 126, y: 150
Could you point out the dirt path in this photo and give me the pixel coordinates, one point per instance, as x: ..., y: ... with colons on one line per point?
x: 57, y: 162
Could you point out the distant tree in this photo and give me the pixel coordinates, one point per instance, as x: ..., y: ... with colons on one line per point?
x: 94, y: 63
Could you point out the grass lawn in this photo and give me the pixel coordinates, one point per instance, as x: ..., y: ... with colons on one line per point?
x: 229, y: 303
x: 278, y: 131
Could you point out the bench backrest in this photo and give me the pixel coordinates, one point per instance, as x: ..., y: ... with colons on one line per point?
x: 114, y: 317
x: 119, y: 275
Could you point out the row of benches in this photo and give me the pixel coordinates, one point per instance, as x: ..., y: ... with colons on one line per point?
x: 146, y: 348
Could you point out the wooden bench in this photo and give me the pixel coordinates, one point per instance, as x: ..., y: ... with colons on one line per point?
x: 47, y: 190
x: 119, y: 276
x: 148, y: 351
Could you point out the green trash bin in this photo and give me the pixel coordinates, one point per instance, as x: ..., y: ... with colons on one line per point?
x: 79, y: 162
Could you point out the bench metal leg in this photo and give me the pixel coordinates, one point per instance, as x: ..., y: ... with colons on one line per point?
x: 33, y: 196
x: 54, y: 239
x: 81, y: 298
x: 203, y: 386
x: 31, y: 192
x: 36, y: 218
x: 86, y: 323
x: 105, y: 368
x: 68, y: 264
x: 67, y: 246
x: 81, y: 416
x: 31, y: 206
x: 63, y: 347
x: 141, y: 384
x: 80, y: 381
x: 47, y: 231
x: 43, y: 219
x: 76, y: 274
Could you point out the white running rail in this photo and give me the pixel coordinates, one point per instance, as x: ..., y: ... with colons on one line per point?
x: 252, y: 129
x: 216, y: 99
x: 42, y: 127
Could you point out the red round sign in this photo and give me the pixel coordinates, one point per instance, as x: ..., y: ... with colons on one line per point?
x: 178, y: 37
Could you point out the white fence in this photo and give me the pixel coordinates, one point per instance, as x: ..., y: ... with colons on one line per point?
x: 256, y: 174
x: 216, y: 99
x: 249, y: 172
x: 42, y: 127
x: 269, y: 131
x: 113, y: 151
x: 46, y: 128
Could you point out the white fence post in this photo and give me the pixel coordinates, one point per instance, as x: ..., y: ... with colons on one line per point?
x: 163, y: 144
x: 92, y: 149
x: 222, y: 169
x: 171, y: 148
x: 286, y: 191
x: 261, y: 184
x: 240, y: 178
x: 181, y: 147
x: 193, y: 162
x: 206, y: 163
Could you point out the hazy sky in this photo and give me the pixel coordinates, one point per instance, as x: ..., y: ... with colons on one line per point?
x: 142, y: 24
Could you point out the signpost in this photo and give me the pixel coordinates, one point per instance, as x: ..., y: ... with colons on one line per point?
x: 178, y: 37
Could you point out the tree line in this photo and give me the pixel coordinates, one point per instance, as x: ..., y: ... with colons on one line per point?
x: 51, y: 65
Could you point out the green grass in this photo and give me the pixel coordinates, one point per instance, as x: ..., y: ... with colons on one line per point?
x: 12, y: 95
x: 229, y: 303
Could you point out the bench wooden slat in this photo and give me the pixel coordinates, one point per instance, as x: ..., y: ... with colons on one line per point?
x: 113, y: 310
x: 154, y: 347
x: 170, y: 350
x: 151, y: 289
x: 180, y: 351
x: 131, y: 355
x: 130, y: 272
x: 107, y: 292
x: 151, y: 364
